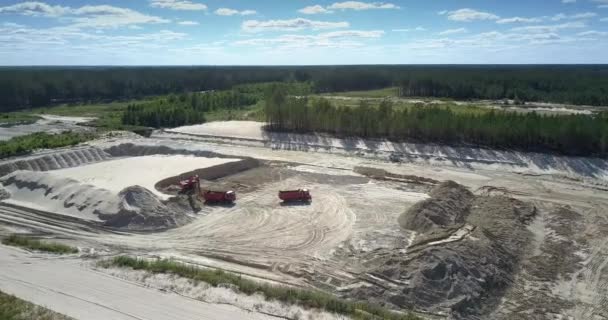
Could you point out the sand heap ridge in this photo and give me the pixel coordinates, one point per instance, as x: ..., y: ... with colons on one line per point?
x: 133, y: 208
x: 55, y: 160
x: 468, y: 250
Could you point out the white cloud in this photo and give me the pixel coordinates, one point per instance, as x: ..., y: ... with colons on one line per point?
x: 178, y: 5
x: 188, y: 23
x: 334, y: 39
x: 604, y: 19
x: 316, y: 9
x: 95, y: 16
x: 348, y: 5
x: 357, y: 5
x: 568, y: 1
x: 71, y: 38
x: 232, y: 12
x: 12, y: 25
x: 467, y: 15
x: 104, y: 16
x: 35, y: 8
x: 549, y: 28
x: 419, y: 28
x: 290, y: 25
x: 518, y: 20
x: 592, y: 33
x: 602, y: 3
x: 584, y: 15
x: 452, y: 31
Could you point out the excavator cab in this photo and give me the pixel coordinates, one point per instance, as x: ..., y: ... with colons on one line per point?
x: 190, y: 185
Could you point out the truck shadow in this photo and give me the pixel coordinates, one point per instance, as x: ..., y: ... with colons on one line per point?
x: 220, y: 204
x: 295, y: 203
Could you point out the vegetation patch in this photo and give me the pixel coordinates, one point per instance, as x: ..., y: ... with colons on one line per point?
x: 580, y: 135
x: 13, y: 308
x: 16, y: 118
x: 35, y: 244
x: 302, y: 297
x: 41, y: 140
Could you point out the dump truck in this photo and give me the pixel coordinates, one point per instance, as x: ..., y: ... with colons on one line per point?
x: 295, y: 195
x: 218, y: 196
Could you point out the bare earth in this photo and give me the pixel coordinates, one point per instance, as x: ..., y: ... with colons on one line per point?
x: 338, y: 242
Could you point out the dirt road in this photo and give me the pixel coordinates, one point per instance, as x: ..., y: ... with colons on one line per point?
x: 68, y: 287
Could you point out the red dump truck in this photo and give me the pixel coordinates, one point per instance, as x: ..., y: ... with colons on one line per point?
x: 219, y: 196
x: 295, y: 195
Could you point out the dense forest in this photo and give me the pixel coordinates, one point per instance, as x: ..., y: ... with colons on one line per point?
x: 190, y: 108
x: 26, y: 87
x: 565, y: 134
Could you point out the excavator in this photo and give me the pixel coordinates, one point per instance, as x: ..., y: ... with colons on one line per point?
x: 192, y: 186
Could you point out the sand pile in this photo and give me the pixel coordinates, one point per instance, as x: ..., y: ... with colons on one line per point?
x: 448, y: 205
x: 55, y: 160
x: 465, y: 276
x: 133, y: 208
x: 145, y: 171
x: 141, y: 209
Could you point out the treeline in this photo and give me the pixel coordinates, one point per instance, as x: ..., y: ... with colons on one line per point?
x: 25, y: 87
x: 41, y: 140
x: 569, y: 134
x: 183, y: 109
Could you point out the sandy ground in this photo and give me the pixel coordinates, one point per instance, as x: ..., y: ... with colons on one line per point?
x: 331, y: 243
x: 146, y: 171
x: 48, y: 123
x: 249, y: 133
x: 66, y: 286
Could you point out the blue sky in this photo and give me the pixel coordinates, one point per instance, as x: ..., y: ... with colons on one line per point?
x: 293, y: 32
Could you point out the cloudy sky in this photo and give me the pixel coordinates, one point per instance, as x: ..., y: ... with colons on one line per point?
x: 271, y: 32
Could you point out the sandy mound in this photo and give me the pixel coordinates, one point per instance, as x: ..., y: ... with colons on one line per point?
x: 135, y: 150
x: 468, y: 256
x: 133, y: 208
x: 141, y: 209
x: 55, y: 160
x: 449, y: 204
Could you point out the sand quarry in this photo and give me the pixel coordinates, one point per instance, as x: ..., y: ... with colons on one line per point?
x: 453, y: 233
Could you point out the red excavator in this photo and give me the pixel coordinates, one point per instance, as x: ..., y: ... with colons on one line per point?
x: 295, y: 195
x: 192, y: 185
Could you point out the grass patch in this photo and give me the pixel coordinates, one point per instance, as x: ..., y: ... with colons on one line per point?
x: 251, y: 113
x: 108, y: 115
x: 302, y: 297
x: 35, y: 244
x: 13, y: 308
x: 16, y: 118
x: 23, y: 145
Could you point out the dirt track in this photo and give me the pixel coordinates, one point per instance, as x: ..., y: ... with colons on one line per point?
x: 332, y: 243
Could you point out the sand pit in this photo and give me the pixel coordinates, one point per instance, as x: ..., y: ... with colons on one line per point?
x: 146, y: 171
x: 119, y: 193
